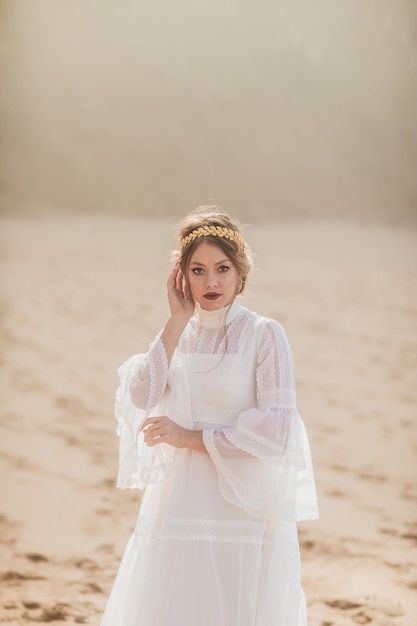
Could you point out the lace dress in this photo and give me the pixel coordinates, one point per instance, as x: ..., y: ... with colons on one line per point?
x: 215, y: 543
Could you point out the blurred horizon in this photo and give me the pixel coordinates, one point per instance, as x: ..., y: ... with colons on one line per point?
x: 305, y: 110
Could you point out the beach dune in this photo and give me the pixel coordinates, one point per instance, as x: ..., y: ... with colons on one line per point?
x: 81, y: 294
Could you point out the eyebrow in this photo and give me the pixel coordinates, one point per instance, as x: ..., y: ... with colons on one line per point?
x: 218, y: 263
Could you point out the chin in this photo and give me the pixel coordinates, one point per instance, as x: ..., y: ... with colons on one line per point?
x: 214, y: 305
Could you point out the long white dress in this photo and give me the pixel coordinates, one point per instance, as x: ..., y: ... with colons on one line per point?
x: 215, y: 542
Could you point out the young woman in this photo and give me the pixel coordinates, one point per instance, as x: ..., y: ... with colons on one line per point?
x: 209, y: 429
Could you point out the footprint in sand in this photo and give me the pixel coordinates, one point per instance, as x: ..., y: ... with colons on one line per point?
x: 372, y: 609
x: 57, y: 612
x: 37, y: 558
x: 359, y: 617
x: 336, y: 493
x: 387, y: 607
x: 13, y: 576
x: 344, y: 605
x: 86, y: 587
x: 87, y: 564
x: 31, y: 605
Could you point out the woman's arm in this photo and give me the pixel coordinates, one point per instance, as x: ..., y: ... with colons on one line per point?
x: 181, y: 306
x: 263, y: 459
x: 149, y: 381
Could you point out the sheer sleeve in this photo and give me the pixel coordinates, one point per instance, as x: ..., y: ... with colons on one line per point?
x: 149, y: 380
x: 142, y: 391
x: 263, y: 460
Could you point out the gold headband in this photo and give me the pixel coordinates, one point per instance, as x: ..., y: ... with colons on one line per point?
x: 216, y: 231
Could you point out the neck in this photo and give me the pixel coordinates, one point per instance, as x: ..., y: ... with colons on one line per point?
x: 218, y: 317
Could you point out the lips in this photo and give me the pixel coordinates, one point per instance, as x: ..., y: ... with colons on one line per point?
x: 212, y: 296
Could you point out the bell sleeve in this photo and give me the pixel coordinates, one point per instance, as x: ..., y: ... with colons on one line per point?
x: 141, y: 393
x: 263, y: 459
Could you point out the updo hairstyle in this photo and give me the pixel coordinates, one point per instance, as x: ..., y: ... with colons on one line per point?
x: 209, y: 216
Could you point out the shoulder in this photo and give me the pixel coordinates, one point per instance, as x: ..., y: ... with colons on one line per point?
x: 266, y: 326
x: 270, y: 337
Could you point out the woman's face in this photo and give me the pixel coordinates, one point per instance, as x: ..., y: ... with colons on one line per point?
x: 211, y: 277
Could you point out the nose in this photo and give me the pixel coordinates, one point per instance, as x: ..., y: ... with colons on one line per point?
x: 211, y: 280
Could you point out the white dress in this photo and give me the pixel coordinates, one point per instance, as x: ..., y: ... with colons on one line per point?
x: 215, y: 542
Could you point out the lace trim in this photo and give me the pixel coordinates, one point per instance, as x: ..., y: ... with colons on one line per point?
x: 195, y: 529
x: 213, y: 415
x: 307, y: 511
x: 275, y: 371
x: 263, y: 448
x: 158, y: 373
x: 118, y: 411
x: 289, y: 510
x: 214, y: 341
x: 128, y: 461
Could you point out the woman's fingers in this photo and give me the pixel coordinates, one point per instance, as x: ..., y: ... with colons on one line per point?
x: 152, y: 427
x: 179, y: 278
x: 179, y: 296
x: 174, y: 284
x: 188, y: 293
x: 162, y: 430
x: 155, y: 429
x: 152, y: 431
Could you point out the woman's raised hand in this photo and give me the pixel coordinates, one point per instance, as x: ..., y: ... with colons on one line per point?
x: 182, y: 306
x: 180, y: 300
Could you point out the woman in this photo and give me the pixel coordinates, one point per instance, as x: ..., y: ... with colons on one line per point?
x: 209, y: 429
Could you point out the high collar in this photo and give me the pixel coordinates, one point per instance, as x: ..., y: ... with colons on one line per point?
x: 216, y: 319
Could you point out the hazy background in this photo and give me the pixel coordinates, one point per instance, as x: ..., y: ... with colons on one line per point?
x: 271, y: 109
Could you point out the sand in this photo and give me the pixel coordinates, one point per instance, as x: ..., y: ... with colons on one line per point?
x: 80, y: 295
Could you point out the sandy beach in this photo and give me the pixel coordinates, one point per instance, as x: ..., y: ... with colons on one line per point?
x: 80, y: 295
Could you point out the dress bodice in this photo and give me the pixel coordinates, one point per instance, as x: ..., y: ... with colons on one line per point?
x: 220, y: 358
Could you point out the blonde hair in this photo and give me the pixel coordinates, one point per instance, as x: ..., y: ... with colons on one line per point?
x: 210, y: 223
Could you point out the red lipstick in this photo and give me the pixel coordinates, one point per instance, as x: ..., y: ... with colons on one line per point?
x: 212, y: 296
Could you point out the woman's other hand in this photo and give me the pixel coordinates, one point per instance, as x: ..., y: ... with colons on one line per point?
x: 161, y: 429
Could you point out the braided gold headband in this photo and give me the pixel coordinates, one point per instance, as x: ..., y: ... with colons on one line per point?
x: 216, y: 231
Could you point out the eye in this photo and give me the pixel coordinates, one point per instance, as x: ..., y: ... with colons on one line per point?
x: 197, y: 270
x: 224, y: 268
